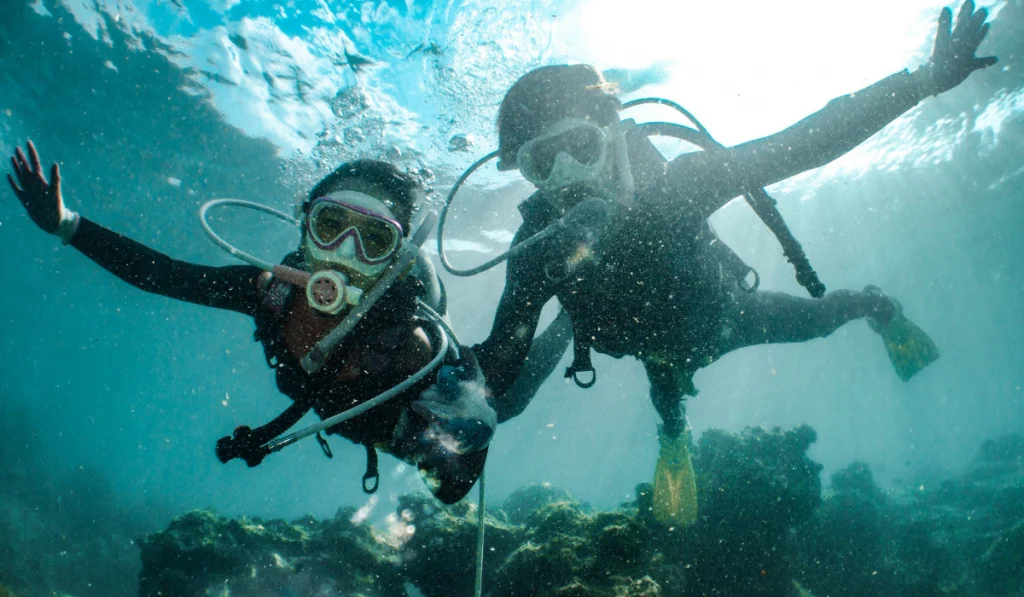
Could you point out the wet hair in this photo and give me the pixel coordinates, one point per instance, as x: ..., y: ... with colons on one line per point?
x: 548, y: 94
x: 402, y: 191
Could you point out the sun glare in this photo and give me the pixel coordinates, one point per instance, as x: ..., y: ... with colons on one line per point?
x: 749, y: 67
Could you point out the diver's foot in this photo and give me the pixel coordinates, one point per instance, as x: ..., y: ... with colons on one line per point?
x: 880, y: 309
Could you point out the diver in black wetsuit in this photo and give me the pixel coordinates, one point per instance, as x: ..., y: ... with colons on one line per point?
x: 354, y: 224
x: 645, y: 275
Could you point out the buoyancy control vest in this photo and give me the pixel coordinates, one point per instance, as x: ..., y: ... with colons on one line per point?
x: 318, y: 391
x: 746, y: 277
x: 683, y: 278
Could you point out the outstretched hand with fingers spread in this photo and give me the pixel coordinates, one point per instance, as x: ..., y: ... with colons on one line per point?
x: 41, y: 199
x: 954, y: 56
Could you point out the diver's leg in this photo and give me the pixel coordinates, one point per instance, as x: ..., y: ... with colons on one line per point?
x: 545, y: 353
x: 774, y: 317
x: 675, y: 487
x: 668, y: 396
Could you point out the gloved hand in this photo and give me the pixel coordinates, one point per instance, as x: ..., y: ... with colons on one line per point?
x: 953, y: 57
x: 42, y: 199
x: 456, y: 409
x: 242, y: 445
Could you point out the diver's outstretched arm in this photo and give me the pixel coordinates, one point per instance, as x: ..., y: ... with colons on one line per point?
x: 707, y: 180
x: 545, y: 354
x: 230, y: 287
x: 505, y: 350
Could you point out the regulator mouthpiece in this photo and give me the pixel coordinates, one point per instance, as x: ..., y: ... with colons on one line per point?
x: 329, y: 292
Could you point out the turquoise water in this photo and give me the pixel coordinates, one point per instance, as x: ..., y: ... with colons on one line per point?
x: 152, y: 108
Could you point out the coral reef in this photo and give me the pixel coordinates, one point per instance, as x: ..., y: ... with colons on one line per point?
x: 753, y: 489
x: 765, y: 529
x: 962, y: 538
x: 201, y: 553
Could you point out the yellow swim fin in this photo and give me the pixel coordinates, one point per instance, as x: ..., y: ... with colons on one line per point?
x: 909, y: 347
x: 675, y: 486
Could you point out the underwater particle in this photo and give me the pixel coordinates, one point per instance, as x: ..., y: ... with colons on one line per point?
x: 174, y: 182
x: 460, y: 142
x: 393, y: 154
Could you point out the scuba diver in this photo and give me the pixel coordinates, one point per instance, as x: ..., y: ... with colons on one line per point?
x: 373, y: 385
x: 620, y: 236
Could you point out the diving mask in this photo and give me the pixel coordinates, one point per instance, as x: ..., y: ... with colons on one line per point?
x: 353, y: 231
x: 571, y: 150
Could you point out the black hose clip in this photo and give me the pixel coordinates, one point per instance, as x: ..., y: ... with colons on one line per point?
x: 324, y: 446
x: 575, y: 375
x: 372, y: 472
x: 753, y: 286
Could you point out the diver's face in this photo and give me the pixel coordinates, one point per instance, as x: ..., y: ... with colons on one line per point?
x: 352, y: 232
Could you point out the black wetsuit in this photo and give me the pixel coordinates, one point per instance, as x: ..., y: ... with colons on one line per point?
x: 660, y: 289
x: 238, y: 288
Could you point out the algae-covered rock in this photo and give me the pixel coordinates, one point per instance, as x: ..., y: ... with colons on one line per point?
x: 439, y: 555
x: 753, y: 489
x: 843, y: 549
x: 557, y: 520
x: 523, y: 502
x: 201, y: 553
x: 536, y: 569
x: 765, y: 529
x: 1003, y: 563
x: 959, y: 537
x: 761, y: 476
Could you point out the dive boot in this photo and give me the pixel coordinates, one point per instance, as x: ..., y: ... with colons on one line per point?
x: 909, y: 347
x: 675, y: 487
